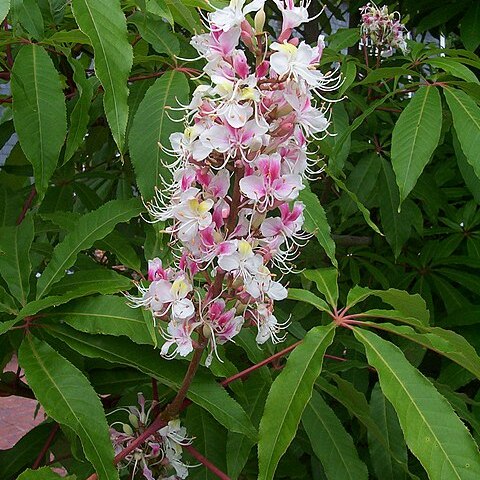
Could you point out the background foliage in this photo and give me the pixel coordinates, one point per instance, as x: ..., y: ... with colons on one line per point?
x: 87, y: 85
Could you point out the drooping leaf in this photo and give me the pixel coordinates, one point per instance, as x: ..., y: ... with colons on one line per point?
x: 67, y: 397
x: 407, y: 304
x: 384, y: 464
x: 90, y: 227
x: 445, y: 342
x: 28, y: 13
x: 79, y: 117
x: 107, y: 314
x: 15, y: 265
x: 434, y: 434
x: 466, y: 120
x: 210, y: 441
x: 469, y: 27
x: 326, y: 281
x: 39, y: 111
x: 396, y: 225
x: 415, y: 137
x: 105, y: 25
x: 455, y: 68
x: 204, y: 391
x: 239, y: 446
x: 156, y: 32
x: 316, y: 222
x: 288, y: 397
x: 153, y: 125
x: 308, y: 297
x: 331, y: 443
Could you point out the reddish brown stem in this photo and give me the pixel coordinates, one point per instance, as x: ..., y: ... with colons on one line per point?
x: 206, y: 462
x: 251, y: 369
x: 46, y: 446
x: 26, y: 205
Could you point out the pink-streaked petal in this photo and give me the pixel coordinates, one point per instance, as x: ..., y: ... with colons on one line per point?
x: 252, y: 187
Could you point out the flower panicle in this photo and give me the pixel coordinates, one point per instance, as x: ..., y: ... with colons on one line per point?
x: 232, y: 206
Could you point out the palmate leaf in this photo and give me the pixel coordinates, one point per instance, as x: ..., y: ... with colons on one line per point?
x: 316, y: 222
x: 434, y: 434
x: 67, y: 397
x: 469, y: 27
x: 308, y: 297
x: 105, y: 25
x: 204, y: 391
x: 415, y: 137
x: 466, y: 120
x: 90, y: 227
x: 15, y: 265
x: 288, y: 396
x: 331, y: 443
x: 39, y: 111
x: 153, y: 125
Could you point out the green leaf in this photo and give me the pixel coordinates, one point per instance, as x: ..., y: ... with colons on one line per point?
x: 90, y: 227
x: 415, y: 137
x: 289, y: 394
x: 396, y: 224
x: 6, y: 326
x: 408, y: 305
x: 156, y: 32
x: 160, y: 8
x: 4, y: 8
x: 69, y: 399
x: 386, y: 72
x: 445, y: 342
x: 18, y: 457
x: 239, y: 446
x: 210, y: 441
x: 434, y: 434
x: 384, y: 464
x: 152, y: 126
x: 79, y: 117
x: 104, y: 23
x: 343, y: 38
x: 7, y: 303
x: 28, y: 13
x: 316, y: 222
x: 364, y: 211
x: 331, y: 443
x: 469, y: 27
x: 39, y: 111
x: 466, y: 120
x: 204, y: 391
x: 108, y: 315
x: 339, y: 124
x: 43, y: 473
x: 186, y: 17
x: 454, y: 67
x: 15, y: 265
x: 308, y: 297
x: 326, y: 280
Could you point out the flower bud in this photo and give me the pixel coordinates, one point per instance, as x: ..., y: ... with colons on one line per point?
x: 259, y: 21
x: 133, y: 419
x: 127, y: 429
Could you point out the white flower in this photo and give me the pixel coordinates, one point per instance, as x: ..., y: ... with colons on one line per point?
x: 233, y: 15
x: 193, y: 216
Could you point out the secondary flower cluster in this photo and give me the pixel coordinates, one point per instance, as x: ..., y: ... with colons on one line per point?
x: 160, y: 456
x: 383, y: 29
x: 240, y: 163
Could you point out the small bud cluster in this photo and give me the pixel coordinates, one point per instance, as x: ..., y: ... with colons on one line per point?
x: 384, y: 30
x: 160, y: 456
x: 241, y: 161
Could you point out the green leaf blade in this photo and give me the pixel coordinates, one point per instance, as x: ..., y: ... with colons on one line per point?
x: 151, y: 126
x: 288, y: 397
x: 434, y: 434
x: 39, y: 111
x: 415, y: 137
x: 105, y: 25
x: 68, y: 397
